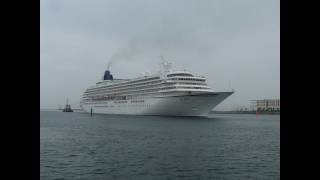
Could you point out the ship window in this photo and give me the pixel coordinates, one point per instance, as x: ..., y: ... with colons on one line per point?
x: 179, y: 74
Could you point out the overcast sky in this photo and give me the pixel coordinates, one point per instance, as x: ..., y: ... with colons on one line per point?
x: 232, y: 42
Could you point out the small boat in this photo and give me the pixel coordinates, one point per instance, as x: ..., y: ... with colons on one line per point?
x: 67, y: 108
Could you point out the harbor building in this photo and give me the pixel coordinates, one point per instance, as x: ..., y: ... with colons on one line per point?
x: 272, y: 105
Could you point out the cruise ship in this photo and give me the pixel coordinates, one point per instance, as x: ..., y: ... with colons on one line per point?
x: 167, y: 93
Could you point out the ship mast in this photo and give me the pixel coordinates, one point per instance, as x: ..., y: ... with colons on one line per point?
x: 162, y: 59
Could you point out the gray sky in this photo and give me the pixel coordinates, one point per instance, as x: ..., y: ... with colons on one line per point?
x: 236, y: 41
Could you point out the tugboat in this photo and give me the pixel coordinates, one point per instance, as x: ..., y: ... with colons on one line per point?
x: 67, y: 108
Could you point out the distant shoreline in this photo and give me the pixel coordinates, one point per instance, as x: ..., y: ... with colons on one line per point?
x: 244, y: 112
x: 212, y: 112
x: 75, y: 110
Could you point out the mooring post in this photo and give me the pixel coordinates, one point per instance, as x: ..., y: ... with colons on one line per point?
x: 91, y: 112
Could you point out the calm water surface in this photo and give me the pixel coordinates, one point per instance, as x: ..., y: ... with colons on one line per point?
x: 229, y: 146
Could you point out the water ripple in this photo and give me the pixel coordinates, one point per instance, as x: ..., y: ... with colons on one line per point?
x: 77, y: 146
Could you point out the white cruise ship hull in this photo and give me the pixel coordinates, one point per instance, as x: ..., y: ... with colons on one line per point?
x: 180, y: 105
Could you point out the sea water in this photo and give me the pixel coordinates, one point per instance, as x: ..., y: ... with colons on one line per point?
x: 220, y: 146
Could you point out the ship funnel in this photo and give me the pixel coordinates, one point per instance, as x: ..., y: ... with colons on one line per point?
x: 107, y: 75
